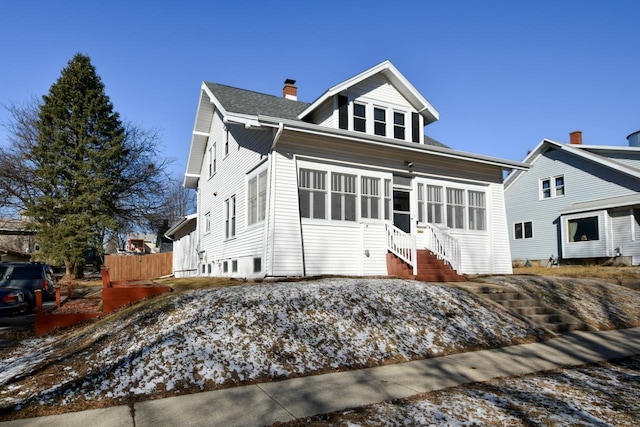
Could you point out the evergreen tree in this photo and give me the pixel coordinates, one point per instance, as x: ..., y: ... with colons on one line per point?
x: 80, y: 149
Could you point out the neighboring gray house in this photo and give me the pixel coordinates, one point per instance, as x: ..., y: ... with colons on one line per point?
x: 577, y: 202
x: 338, y: 186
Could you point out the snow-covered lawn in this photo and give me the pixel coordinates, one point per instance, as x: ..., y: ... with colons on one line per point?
x: 215, y: 338
x: 604, y: 394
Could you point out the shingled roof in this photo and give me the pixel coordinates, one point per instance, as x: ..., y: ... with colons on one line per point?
x: 243, y: 101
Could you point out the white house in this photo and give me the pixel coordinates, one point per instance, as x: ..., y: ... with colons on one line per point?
x: 577, y: 202
x: 289, y: 188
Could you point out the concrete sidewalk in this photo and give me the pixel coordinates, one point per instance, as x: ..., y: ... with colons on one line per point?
x: 263, y: 404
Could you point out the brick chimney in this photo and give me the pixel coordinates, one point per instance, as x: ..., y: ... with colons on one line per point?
x: 576, y: 137
x: 290, y: 91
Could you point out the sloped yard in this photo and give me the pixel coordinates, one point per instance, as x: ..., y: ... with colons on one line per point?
x: 206, y: 339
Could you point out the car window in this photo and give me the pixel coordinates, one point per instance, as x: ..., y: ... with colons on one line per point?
x: 3, y: 270
x: 27, y: 272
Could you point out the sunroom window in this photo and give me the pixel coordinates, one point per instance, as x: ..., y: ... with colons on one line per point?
x: 370, y: 197
x: 343, y: 196
x: 455, y: 208
x: 313, y: 194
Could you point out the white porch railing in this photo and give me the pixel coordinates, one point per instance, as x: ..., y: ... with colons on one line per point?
x: 403, y: 245
x: 443, y: 245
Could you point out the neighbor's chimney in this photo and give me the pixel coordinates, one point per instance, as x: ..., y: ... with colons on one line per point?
x: 576, y: 137
x: 290, y: 91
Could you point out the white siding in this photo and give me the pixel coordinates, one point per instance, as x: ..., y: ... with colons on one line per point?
x: 247, y: 150
x: 332, y: 248
x: 379, y: 89
x: 374, y: 250
x: 185, y: 260
x: 285, y: 250
x: 324, y: 115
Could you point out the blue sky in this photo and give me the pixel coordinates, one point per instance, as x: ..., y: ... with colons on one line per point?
x: 502, y: 74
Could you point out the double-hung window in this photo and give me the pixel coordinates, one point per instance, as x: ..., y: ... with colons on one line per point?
x: 312, y: 193
x: 380, y: 121
x: 388, y: 200
x: 343, y: 196
x: 257, y: 198
x: 212, y: 159
x: 434, y: 204
x: 370, y: 197
x: 552, y: 187
x: 230, y: 217
x: 359, y: 117
x: 455, y: 208
x: 477, y: 211
x: 398, y: 125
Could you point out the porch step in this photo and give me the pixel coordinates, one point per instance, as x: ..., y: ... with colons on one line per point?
x: 524, y: 306
x: 430, y: 268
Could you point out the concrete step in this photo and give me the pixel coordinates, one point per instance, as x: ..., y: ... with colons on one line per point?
x: 565, y: 327
x: 530, y: 310
x: 508, y: 296
x: 546, y: 318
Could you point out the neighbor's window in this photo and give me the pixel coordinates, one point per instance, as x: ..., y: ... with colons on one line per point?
x: 477, y: 211
x: 230, y: 217
x: 583, y: 229
x: 455, y: 208
x: 552, y: 187
x: 257, y: 198
x: 359, y: 117
x: 398, y: 125
x: 523, y: 230
x: 312, y: 194
x: 343, y: 196
x: 370, y: 197
x: 379, y: 121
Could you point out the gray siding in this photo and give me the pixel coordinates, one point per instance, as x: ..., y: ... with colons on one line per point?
x: 584, y: 181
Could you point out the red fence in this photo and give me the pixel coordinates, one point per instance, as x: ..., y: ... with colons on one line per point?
x: 139, y: 267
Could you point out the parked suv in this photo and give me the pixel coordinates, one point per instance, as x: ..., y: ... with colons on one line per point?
x: 29, y: 277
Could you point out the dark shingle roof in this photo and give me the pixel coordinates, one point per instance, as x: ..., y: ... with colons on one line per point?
x: 430, y: 141
x: 243, y: 101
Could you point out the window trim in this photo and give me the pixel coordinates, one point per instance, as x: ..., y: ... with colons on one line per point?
x: 382, y: 122
x: 553, y: 187
x: 385, y: 180
x: 207, y: 222
x: 260, y: 197
x: 444, y: 205
x: 523, y: 230
x: 362, y: 118
x: 230, y: 228
x: 402, y: 126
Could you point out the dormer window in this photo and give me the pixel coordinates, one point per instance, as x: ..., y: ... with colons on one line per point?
x: 398, y: 125
x: 380, y: 121
x: 359, y: 117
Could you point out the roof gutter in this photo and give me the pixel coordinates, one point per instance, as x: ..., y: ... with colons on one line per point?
x: 421, y: 148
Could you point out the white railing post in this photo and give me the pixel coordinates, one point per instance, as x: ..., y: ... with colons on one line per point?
x: 444, y: 246
x: 402, y: 245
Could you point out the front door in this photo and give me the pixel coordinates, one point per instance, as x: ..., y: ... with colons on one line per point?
x: 402, y: 209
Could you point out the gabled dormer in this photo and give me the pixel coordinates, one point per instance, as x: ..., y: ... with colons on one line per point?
x: 379, y: 101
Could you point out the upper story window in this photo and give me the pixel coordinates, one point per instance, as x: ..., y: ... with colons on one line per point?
x: 359, y: 117
x: 226, y: 142
x: 380, y: 121
x: 398, y: 125
x: 552, y: 187
x: 212, y: 159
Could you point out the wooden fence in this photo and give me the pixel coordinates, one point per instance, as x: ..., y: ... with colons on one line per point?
x: 139, y: 267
